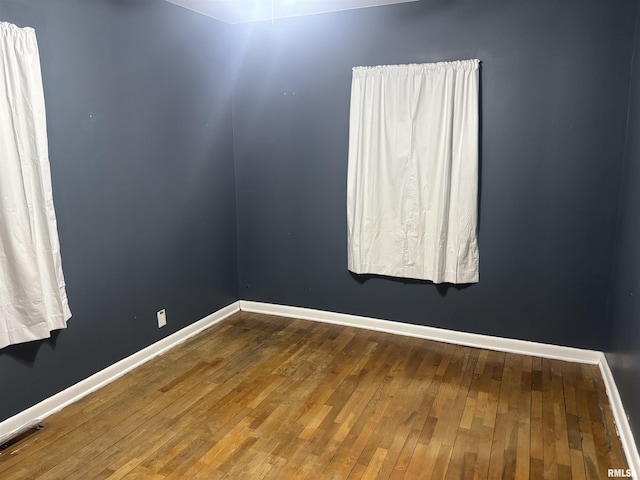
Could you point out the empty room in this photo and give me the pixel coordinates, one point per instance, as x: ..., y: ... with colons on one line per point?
x: 319, y: 239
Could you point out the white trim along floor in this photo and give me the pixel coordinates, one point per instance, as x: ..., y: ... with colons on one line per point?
x: 34, y: 415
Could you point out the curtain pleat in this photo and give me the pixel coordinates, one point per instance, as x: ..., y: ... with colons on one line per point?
x: 412, y: 183
x: 33, y: 299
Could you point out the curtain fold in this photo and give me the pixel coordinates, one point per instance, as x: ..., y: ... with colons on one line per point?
x: 412, y: 181
x: 33, y: 299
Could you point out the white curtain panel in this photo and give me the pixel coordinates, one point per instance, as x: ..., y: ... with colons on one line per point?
x: 412, y: 186
x: 33, y: 300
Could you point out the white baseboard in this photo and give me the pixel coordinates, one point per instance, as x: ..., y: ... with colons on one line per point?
x: 524, y: 347
x: 620, y: 417
x: 33, y: 415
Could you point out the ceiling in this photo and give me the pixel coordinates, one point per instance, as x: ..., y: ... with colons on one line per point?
x: 241, y: 11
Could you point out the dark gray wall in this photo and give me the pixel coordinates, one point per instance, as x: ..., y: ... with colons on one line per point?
x: 139, y: 121
x: 623, y: 353
x: 139, y: 114
x: 554, y: 97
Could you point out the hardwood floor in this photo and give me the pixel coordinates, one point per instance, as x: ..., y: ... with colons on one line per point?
x: 268, y: 397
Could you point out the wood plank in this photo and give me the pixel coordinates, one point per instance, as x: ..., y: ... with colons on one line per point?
x: 261, y: 396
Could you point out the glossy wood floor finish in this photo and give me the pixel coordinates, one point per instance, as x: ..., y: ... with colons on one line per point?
x: 259, y: 396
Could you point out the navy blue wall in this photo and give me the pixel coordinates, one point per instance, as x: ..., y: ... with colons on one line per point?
x: 623, y: 353
x: 554, y: 81
x: 142, y: 155
x: 139, y: 122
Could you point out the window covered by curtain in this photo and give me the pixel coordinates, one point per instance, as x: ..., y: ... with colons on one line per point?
x: 412, y: 182
x: 33, y: 300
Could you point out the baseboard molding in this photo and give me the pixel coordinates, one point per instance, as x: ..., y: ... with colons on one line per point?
x: 442, y: 335
x: 523, y: 347
x: 33, y: 415
x: 620, y: 418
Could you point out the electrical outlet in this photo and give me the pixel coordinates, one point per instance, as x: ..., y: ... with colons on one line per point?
x: 162, y: 318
